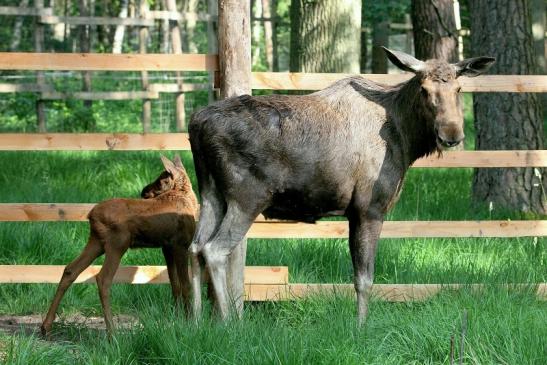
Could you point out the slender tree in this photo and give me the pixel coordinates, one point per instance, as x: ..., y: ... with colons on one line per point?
x: 435, y: 34
x: 506, y: 121
x: 325, y: 36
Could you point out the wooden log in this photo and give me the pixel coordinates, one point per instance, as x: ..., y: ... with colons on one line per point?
x: 317, y: 81
x: 100, y: 95
x: 385, y: 292
x: 94, y: 141
x: 107, y: 62
x: 34, y: 274
x: 96, y: 20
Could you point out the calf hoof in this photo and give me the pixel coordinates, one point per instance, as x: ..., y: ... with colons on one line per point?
x: 45, y: 330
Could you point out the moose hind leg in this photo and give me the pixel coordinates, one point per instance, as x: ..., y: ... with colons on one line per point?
x: 231, y: 232
x: 92, y: 250
x: 211, y: 214
x: 104, y: 282
x: 364, y: 233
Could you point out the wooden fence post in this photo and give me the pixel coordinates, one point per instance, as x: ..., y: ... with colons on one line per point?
x: 234, y: 52
x: 146, y: 103
x: 40, y: 79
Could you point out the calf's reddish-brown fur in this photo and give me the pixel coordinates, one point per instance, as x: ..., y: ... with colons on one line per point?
x: 165, y: 218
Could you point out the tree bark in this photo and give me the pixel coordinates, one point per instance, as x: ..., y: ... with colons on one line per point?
x: 507, y: 121
x: 325, y: 36
x: 120, y: 29
x: 435, y: 33
x: 268, y: 32
x: 16, y: 38
x: 380, y: 37
x: 234, y: 49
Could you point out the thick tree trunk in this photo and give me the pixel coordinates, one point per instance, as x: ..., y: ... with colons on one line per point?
x: 268, y: 32
x: 505, y: 121
x: 325, y: 36
x: 435, y: 34
x: 380, y: 37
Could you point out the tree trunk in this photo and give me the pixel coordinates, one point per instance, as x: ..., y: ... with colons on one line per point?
x: 507, y: 121
x: 40, y: 79
x: 86, y: 9
x: 120, y: 29
x: 176, y: 44
x: 268, y: 32
x: 325, y: 36
x: 234, y: 49
x: 190, y: 6
x: 212, y: 43
x: 164, y: 31
x: 380, y: 37
x: 435, y: 33
x: 256, y: 31
x: 275, y: 53
x: 363, y: 57
x: 16, y: 38
x: 146, y: 103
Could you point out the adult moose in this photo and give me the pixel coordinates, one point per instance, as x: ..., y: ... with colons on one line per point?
x: 343, y: 150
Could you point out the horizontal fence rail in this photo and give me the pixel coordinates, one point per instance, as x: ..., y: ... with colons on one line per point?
x: 180, y: 141
x: 107, y: 62
x: 317, y: 81
x: 263, y: 228
x: 32, y: 274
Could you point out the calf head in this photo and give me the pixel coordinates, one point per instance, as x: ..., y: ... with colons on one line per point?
x: 438, y: 91
x: 174, y: 177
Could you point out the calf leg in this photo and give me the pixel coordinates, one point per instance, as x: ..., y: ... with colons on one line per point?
x: 104, y: 282
x: 364, y: 231
x: 168, y: 253
x: 92, y: 250
x: 232, y: 230
x: 181, y: 263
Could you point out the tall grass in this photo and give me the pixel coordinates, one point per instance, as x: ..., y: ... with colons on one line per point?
x: 503, y: 327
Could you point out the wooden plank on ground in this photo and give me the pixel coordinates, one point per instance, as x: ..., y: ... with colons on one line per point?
x: 317, y: 81
x: 107, y: 62
x: 264, y: 275
x: 95, y: 20
x: 93, y: 141
x: 100, y: 95
x: 385, y: 292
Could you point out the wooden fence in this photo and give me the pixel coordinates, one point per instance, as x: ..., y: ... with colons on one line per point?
x: 258, y: 285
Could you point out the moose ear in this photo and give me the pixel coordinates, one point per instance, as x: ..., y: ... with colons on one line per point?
x: 169, y: 165
x: 475, y: 66
x: 404, y: 61
x: 178, y: 162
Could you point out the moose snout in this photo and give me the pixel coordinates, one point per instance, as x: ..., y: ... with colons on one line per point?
x: 450, y: 136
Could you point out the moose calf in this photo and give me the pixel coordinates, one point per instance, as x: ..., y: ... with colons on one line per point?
x: 165, y: 218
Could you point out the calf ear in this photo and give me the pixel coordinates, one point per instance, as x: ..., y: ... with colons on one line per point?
x: 475, y: 66
x: 168, y: 165
x: 178, y: 162
x: 404, y: 61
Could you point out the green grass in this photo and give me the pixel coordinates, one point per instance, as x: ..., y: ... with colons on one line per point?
x: 503, y: 327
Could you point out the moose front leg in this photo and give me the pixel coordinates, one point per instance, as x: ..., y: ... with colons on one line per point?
x: 364, y: 232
